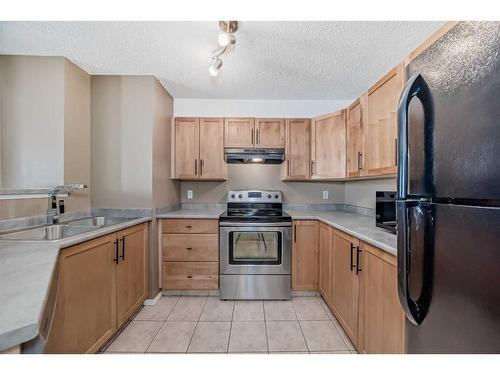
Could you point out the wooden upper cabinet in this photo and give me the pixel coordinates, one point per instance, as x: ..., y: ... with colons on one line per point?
x: 345, y: 283
x: 131, y: 275
x: 269, y: 133
x: 328, y: 146
x: 381, y: 127
x: 305, y: 255
x: 85, y: 312
x: 325, y: 261
x: 198, y: 149
x: 381, y: 319
x: 297, y: 150
x: 239, y: 132
x: 186, y: 147
x: 212, y: 164
x: 355, y: 139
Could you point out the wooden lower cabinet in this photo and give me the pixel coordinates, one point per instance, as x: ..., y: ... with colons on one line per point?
x: 305, y: 260
x: 95, y: 293
x: 345, y: 283
x: 381, y: 320
x: 190, y: 275
x: 190, y: 254
x: 130, y: 271
x: 325, y: 262
x: 85, y: 314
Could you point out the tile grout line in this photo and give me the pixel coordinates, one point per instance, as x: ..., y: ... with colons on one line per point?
x: 230, y: 328
x: 197, y: 322
x: 335, y: 325
x: 265, y: 325
x: 301, y: 331
x: 156, y: 334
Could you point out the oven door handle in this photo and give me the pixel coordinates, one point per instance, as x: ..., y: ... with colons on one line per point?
x: 253, y: 224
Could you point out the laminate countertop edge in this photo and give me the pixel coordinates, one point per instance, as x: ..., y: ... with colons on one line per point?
x: 26, y: 271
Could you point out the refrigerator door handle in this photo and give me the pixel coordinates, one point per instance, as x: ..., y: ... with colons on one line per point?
x: 416, y: 86
x: 415, y: 310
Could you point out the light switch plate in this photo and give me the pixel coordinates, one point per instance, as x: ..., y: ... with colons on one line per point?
x: 325, y: 194
x: 189, y: 194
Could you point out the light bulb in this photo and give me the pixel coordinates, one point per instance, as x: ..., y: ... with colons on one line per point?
x: 214, y: 68
x: 223, y: 38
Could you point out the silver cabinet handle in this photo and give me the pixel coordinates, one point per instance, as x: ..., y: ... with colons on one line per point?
x: 396, y: 151
x: 360, y: 160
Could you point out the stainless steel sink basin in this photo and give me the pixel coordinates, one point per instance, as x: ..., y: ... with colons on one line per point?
x: 97, y: 221
x: 47, y: 233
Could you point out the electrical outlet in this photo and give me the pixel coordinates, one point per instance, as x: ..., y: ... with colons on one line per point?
x: 325, y: 194
x: 189, y: 194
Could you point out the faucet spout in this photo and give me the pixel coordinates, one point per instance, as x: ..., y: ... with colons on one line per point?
x: 53, y: 211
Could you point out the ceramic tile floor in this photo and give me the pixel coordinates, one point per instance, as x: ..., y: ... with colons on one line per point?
x: 208, y: 325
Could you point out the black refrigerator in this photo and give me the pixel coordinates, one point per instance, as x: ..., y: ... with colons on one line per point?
x: 448, y: 202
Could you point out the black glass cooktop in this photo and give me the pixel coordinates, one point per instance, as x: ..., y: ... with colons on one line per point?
x: 255, y: 212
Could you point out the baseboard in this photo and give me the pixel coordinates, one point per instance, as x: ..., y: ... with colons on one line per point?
x: 153, y: 301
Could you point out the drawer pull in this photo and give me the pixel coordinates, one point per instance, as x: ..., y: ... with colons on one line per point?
x: 189, y: 248
x: 188, y: 226
x: 189, y: 276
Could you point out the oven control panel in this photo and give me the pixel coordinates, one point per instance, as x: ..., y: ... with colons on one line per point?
x: 255, y: 196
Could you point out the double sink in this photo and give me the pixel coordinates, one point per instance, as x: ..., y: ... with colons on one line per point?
x: 63, y: 230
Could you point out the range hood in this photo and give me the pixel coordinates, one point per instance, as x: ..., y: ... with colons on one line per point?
x: 254, y: 155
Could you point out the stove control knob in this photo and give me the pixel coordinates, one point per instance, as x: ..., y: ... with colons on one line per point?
x: 240, y: 196
x: 276, y: 196
x: 232, y: 195
x: 268, y: 196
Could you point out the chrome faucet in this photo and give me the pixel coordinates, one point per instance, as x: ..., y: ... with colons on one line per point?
x: 54, y: 210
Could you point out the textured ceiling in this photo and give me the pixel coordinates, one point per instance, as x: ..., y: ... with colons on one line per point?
x: 271, y: 60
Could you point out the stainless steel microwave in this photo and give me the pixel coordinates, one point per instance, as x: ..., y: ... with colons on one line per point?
x: 385, y: 210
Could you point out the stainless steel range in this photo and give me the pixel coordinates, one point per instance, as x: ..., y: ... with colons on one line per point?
x: 255, y: 246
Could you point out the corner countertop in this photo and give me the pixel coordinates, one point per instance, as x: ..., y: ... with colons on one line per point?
x: 209, y: 213
x: 357, y: 225
x: 26, y: 271
x: 360, y: 226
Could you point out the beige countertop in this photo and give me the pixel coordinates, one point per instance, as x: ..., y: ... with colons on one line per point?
x: 26, y: 270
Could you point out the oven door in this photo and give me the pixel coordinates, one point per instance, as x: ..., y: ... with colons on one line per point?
x: 257, y: 248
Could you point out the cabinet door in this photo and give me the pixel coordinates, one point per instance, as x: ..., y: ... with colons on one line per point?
x: 85, y: 313
x: 297, y: 150
x: 239, y: 132
x: 269, y: 133
x: 354, y: 130
x: 305, y: 255
x: 381, y: 129
x: 381, y: 317
x: 345, y: 283
x: 325, y: 261
x: 328, y: 146
x: 131, y: 271
x: 186, y: 147
x: 212, y: 165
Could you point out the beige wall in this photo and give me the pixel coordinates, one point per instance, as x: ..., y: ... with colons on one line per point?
x: 77, y: 134
x: 254, y: 176
x: 32, y: 96
x: 45, y: 122
x: 362, y: 193
x: 121, y: 141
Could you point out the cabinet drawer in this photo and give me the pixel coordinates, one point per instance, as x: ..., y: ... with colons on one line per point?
x: 190, y: 247
x: 190, y: 226
x: 190, y: 275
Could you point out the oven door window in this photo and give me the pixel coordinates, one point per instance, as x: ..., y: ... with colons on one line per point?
x: 248, y: 248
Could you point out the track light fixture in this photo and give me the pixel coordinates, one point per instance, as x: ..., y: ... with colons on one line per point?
x: 226, y: 39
